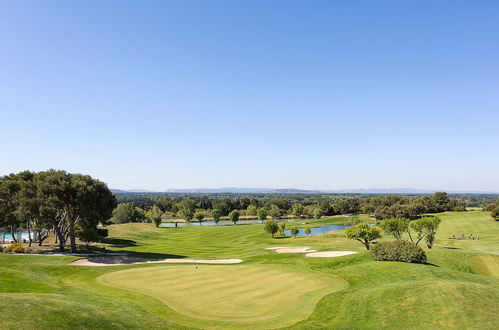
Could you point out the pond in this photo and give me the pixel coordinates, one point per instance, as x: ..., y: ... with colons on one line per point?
x: 7, y: 237
x: 317, y: 230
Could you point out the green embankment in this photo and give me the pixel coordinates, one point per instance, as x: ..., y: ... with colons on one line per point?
x: 459, y: 287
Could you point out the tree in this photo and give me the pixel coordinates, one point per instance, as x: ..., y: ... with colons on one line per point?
x: 297, y: 209
x: 363, y: 233
x: 294, y: 231
x: 87, y: 235
x: 495, y: 213
x: 154, y: 215
x: 426, y: 229
x: 186, y: 208
x: 271, y: 227
x: 308, y: 231
x: 262, y: 214
x: 216, y: 214
x: 355, y: 220
x: 282, y: 228
x: 199, y: 217
x: 252, y: 209
x: 318, y: 213
x: 125, y: 213
x: 395, y: 227
x: 275, y: 212
x: 234, y: 216
x: 368, y: 209
x: 442, y: 200
x: 73, y: 200
x: 12, y: 214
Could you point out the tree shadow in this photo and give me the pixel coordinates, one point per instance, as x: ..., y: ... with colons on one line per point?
x: 118, y: 242
x: 451, y: 248
x: 152, y: 255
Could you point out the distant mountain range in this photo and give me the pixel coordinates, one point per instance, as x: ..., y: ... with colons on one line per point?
x: 237, y: 190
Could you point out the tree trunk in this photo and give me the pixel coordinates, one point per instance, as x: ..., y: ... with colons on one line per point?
x: 12, y: 234
x: 72, y: 236
x: 29, y: 233
x: 42, y: 238
x: 60, y: 238
x: 410, y: 236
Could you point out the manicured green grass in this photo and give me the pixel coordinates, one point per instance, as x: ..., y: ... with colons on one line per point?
x: 459, y: 287
x: 229, y: 296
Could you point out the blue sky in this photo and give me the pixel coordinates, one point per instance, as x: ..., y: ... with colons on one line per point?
x: 304, y: 94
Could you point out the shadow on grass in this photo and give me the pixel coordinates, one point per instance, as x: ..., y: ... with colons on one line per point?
x: 151, y: 255
x: 119, y: 243
x: 451, y: 248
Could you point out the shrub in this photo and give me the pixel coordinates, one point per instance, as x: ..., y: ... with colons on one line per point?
x: 102, y: 232
x: 398, y: 250
x: 87, y: 235
x: 15, y: 248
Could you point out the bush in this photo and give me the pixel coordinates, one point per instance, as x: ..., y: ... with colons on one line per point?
x: 15, y: 248
x: 398, y: 250
x: 102, y: 232
x: 87, y: 235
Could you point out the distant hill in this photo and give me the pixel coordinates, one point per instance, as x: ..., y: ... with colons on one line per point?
x: 239, y: 190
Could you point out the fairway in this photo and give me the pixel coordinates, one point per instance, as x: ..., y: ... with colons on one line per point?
x: 486, y: 265
x: 262, y: 296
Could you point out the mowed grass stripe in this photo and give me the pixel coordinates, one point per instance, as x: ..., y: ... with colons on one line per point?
x: 485, y: 265
x: 227, y: 293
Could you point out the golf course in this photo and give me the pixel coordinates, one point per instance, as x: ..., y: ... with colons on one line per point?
x: 458, y: 287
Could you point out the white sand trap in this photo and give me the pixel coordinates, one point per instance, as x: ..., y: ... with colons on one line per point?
x: 329, y: 254
x: 291, y: 249
x: 116, y: 261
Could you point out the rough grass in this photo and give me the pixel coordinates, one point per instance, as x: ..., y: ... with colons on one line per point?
x: 456, y: 289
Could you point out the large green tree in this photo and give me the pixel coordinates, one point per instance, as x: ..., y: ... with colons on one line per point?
x: 262, y: 214
x: 187, y: 208
x: 297, y: 209
x: 234, y: 216
x: 271, y: 227
x: 426, y: 229
x: 154, y: 215
x: 395, y: 227
x: 216, y: 214
x: 363, y: 233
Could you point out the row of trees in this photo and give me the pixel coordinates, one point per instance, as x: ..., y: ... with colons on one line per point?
x: 273, y: 227
x: 417, y: 230
x: 70, y: 205
x: 382, y: 207
x: 329, y: 204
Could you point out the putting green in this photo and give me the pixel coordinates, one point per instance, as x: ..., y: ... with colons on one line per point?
x: 229, y: 296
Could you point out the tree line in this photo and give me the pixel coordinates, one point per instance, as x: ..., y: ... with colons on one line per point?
x: 189, y: 209
x: 69, y: 205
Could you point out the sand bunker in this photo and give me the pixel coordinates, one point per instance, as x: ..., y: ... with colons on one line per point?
x: 117, y: 261
x: 291, y: 249
x: 329, y: 254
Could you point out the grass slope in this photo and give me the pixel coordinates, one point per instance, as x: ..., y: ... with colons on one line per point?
x: 457, y: 289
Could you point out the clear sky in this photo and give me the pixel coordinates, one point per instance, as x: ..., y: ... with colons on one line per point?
x: 304, y: 94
